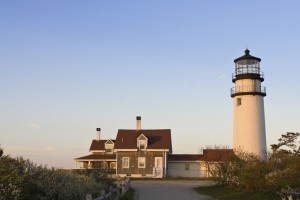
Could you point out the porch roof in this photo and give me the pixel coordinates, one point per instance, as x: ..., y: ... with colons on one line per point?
x: 98, y: 157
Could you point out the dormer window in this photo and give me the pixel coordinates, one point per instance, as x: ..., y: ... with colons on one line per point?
x: 109, y: 150
x: 142, y: 142
x: 109, y: 146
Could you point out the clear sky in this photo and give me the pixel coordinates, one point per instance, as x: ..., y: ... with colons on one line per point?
x: 68, y: 67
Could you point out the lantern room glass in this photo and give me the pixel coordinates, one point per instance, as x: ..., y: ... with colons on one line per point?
x: 247, y: 66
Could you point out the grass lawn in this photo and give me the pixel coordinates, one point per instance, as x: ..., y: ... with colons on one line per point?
x: 225, y: 193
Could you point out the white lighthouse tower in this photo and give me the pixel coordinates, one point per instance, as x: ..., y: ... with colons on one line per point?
x: 249, y: 132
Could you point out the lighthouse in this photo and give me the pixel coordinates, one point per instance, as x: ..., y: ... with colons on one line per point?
x: 249, y: 132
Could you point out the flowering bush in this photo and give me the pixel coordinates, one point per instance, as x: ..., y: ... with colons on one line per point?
x: 248, y: 171
x: 23, y: 179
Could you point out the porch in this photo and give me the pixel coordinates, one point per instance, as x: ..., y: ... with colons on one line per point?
x: 96, y: 161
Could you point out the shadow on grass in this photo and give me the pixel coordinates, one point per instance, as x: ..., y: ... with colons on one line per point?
x: 173, y: 179
x: 225, y: 193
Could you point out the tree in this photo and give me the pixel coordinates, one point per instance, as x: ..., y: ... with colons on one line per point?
x: 287, y: 144
x: 285, y: 162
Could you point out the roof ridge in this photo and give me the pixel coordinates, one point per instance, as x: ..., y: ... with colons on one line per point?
x: 144, y: 129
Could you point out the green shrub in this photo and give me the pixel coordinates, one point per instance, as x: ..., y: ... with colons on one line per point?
x: 22, y: 179
x: 129, y: 195
x: 247, y: 171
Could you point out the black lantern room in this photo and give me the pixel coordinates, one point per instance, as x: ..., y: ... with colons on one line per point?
x: 248, y: 67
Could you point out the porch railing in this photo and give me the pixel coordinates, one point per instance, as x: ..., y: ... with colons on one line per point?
x: 158, y: 172
x: 251, y: 89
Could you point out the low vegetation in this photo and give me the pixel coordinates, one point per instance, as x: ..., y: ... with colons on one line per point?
x: 270, y: 177
x: 129, y: 195
x: 22, y: 179
x: 223, y: 192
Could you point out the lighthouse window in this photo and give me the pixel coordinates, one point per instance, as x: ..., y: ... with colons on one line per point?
x: 239, y: 101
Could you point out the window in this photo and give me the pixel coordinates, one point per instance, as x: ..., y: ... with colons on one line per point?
x: 142, y: 141
x: 239, y: 101
x: 125, y: 162
x: 187, y: 166
x: 142, y: 162
x: 109, y: 146
x: 112, y: 165
x: 142, y: 144
x: 109, y: 150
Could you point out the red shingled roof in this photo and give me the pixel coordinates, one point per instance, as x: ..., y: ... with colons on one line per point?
x: 208, y: 155
x: 97, y: 157
x: 157, y: 139
x: 217, y: 154
x: 99, y: 145
x: 185, y: 157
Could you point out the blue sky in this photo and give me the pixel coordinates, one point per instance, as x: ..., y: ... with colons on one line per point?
x: 68, y: 67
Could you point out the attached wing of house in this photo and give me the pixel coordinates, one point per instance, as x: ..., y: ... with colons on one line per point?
x: 196, y: 165
x: 102, y: 156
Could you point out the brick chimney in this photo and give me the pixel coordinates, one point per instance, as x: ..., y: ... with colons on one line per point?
x: 138, y: 123
x: 98, y: 134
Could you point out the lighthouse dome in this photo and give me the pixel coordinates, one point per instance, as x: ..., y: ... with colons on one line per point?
x: 247, y: 56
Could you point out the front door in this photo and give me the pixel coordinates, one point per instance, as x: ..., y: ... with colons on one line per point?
x: 158, y: 167
x: 158, y: 162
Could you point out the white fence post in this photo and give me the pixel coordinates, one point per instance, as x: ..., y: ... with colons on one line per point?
x: 123, y: 184
x: 88, y: 197
x: 123, y: 187
x: 102, y: 193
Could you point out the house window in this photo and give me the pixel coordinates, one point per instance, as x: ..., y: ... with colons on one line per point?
x: 109, y: 150
x: 142, y: 162
x: 125, y: 162
x: 142, y: 144
x: 187, y: 166
x: 239, y: 101
x: 109, y: 146
x: 112, y: 165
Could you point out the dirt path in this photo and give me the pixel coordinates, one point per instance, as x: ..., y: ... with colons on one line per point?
x: 173, y: 190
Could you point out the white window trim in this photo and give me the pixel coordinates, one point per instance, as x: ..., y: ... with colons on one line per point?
x: 139, y: 160
x: 109, y: 151
x: 111, y: 142
x: 142, y: 137
x: 125, y: 150
x: 97, y: 151
x: 167, y: 150
x: 123, y: 161
x: 146, y: 142
x: 109, y: 146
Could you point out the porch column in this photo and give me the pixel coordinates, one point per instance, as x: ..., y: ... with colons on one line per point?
x: 165, y: 171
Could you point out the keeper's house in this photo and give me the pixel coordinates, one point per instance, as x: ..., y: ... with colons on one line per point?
x: 147, y: 153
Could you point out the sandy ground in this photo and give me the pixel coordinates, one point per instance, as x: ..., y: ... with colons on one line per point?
x: 165, y: 190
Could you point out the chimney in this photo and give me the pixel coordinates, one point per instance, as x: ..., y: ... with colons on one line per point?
x: 138, y: 123
x: 98, y: 133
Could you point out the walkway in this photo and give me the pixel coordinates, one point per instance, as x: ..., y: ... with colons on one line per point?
x: 168, y: 189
